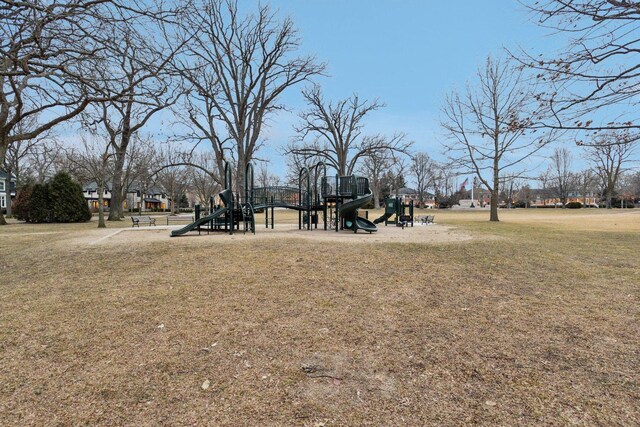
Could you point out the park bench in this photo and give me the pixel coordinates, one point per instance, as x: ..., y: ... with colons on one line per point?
x: 179, y: 218
x: 142, y: 219
x: 427, y: 219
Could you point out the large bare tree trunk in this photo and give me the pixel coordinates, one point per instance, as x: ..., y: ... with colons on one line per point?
x: 115, y: 212
x: 495, y: 194
x: 376, y: 195
x: 101, y: 223
x: 7, y: 185
x: 609, y: 194
x: 240, y: 171
x: 7, y: 189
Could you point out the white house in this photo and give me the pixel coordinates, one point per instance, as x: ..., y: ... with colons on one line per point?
x: 152, y: 199
x: 6, y: 191
x: 90, y: 192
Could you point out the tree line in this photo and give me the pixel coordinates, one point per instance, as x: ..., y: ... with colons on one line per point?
x: 190, y: 76
x: 169, y: 91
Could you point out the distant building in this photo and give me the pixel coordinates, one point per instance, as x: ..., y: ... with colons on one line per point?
x: 541, y: 200
x: 533, y: 198
x: 153, y: 199
x: 6, y: 191
x: 408, y: 194
x: 90, y: 192
x: 482, y: 197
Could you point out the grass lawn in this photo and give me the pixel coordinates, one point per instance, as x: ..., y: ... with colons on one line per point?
x: 531, y: 321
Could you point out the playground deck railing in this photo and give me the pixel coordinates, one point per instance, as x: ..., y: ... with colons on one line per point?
x: 348, y: 186
x: 278, y: 195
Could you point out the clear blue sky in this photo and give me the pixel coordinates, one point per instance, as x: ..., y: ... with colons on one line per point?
x: 408, y: 54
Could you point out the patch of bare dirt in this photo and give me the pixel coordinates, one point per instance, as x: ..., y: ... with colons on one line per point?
x: 422, y: 234
x: 538, y: 327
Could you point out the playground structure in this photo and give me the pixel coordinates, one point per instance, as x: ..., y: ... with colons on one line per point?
x: 336, y: 198
x: 394, y: 207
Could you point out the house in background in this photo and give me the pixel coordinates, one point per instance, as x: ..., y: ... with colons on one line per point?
x: 90, y: 192
x: 407, y: 194
x: 154, y: 199
x: 6, y: 191
x: 482, y: 197
x: 542, y: 199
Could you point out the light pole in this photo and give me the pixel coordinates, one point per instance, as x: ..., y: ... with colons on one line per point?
x: 473, y: 186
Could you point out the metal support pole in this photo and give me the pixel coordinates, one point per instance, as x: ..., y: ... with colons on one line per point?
x: 472, y: 188
x: 273, y: 214
x: 324, y: 213
x: 240, y: 205
x: 411, y: 211
x: 230, y: 215
x: 337, y: 204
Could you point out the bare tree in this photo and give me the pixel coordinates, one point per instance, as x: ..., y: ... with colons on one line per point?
x: 635, y: 184
x: 525, y: 194
x: 423, y: 170
x: 266, y: 178
x: 545, y: 182
x: 562, y: 178
x: 336, y: 135
x: 138, y: 74
x: 174, y: 180
x: 94, y: 161
x: 511, y: 183
x: 486, y: 127
x: 294, y: 164
x: 609, y: 153
x: 374, y: 167
x: 141, y: 161
x: 395, y: 176
x: 596, y: 69
x: 49, y: 51
x: 444, y: 181
x: 629, y: 187
x: 44, y: 49
x: 201, y: 182
x: 237, y: 68
x: 586, y: 181
x: 18, y: 154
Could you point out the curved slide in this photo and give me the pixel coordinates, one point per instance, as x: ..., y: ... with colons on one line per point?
x: 383, y: 218
x: 194, y: 225
x: 365, y: 224
x: 349, y: 211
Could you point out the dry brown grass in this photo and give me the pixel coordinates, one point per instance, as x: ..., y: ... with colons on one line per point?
x: 534, y: 321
